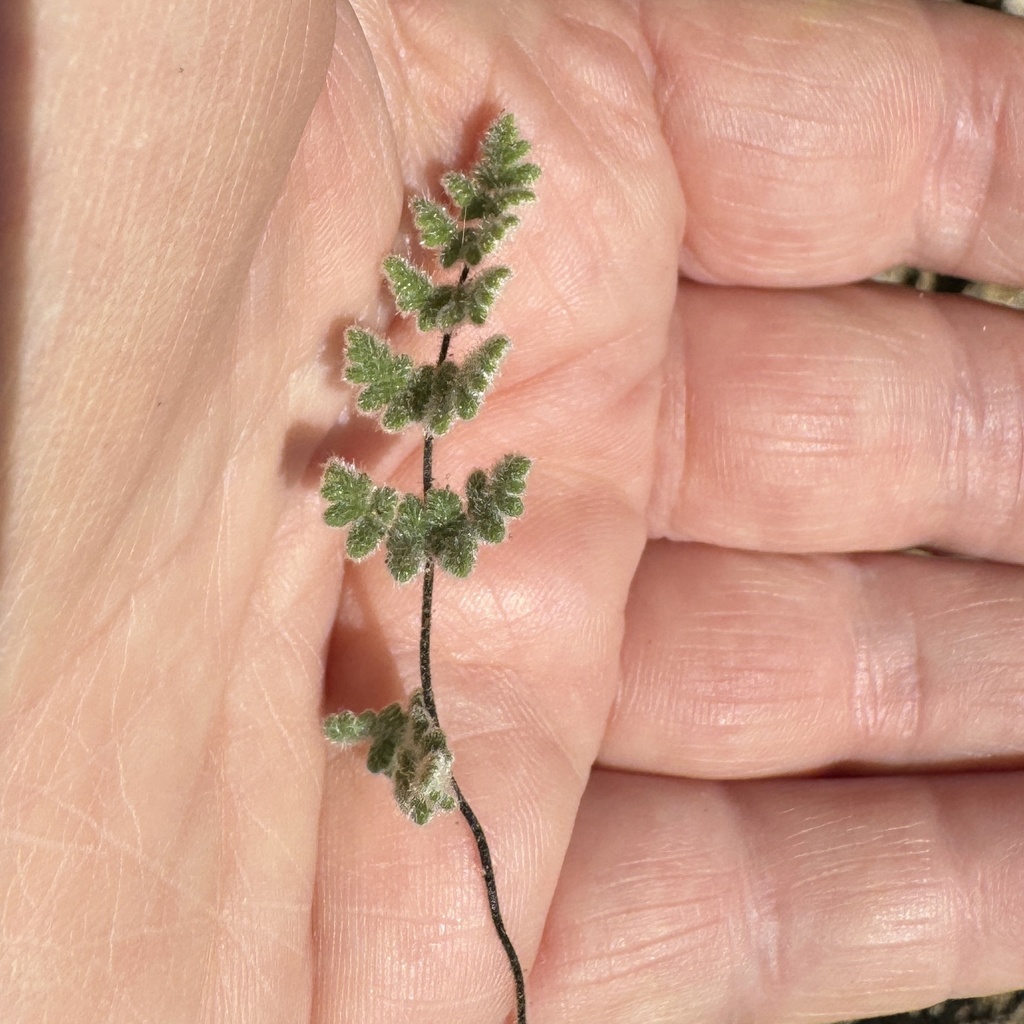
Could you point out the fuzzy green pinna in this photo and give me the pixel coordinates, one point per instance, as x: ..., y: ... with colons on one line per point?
x: 440, y: 527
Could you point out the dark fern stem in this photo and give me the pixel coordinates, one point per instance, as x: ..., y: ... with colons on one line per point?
x: 426, y: 617
x: 492, y: 899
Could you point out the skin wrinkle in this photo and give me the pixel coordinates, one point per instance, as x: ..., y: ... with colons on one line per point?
x: 127, y: 804
x: 761, y: 939
x: 669, y: 472
x: 123, y: 608
x: 966, y: 413
x: 216, y: 586
x: 186, y: 214
x: 977, y: 429
x: 996, y: 117
x: 887, y: 690
x: 828, y: 867
x: 959, y: 904
x: 960, y: 151
x: 272, y: 715
x: 1017, y: 431
x: 103, y: 839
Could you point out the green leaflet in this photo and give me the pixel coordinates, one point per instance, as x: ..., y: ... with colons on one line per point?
x: 383, y: 376
x: 493, y: 497
x: 460, y: 188
x: 407, y: 540
x: 443, y: 507
x: 444, y: 309
x: 445, y: 527
x: 408, y: 747
x: 484, y: 289
x: 447, y: 306
x: 450, y: 537
x: 503, y: 146
x: 477, y: 373
x: 348, y: 491
x: 471, y: 244
x: 443, y: 395
x: 508, y: 482
x: 410, y: 286
x: 500, y: 180
x: 411, y: 405
x: 369, y: 529
x: 346, y: 727
x: 436, y: 226
x: 433, y: 395
x: 386, y: 735
x: 484, y: 515
x: 508, y: 186
x: 491, y: 233
x: 355, y: 500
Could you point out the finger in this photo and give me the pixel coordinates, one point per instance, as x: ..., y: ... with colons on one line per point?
x: 819, y: 143
x: 737, y: 664
x: 855, y: 419
x: 815, y: 900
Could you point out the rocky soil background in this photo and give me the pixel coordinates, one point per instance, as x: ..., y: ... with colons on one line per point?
x: 1003, y: 1009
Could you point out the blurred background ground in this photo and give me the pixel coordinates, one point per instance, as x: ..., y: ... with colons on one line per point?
x: 1004, y: 1009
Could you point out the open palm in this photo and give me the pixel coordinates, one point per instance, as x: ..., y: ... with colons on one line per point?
x: 204, y: 201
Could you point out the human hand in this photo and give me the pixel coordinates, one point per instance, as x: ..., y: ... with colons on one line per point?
x: 642, y: 684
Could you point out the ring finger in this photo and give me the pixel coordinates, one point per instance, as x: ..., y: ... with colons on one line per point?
x: 739, y: 664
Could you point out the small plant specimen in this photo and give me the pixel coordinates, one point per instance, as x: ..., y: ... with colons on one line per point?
x: 440, y: 527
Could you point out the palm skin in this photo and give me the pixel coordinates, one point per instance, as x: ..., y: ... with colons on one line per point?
x: 675, y: 623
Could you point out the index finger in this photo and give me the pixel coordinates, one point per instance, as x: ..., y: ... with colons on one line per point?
x: 819, y: 142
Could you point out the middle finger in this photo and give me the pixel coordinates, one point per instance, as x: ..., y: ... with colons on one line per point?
x: 857, y: 418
